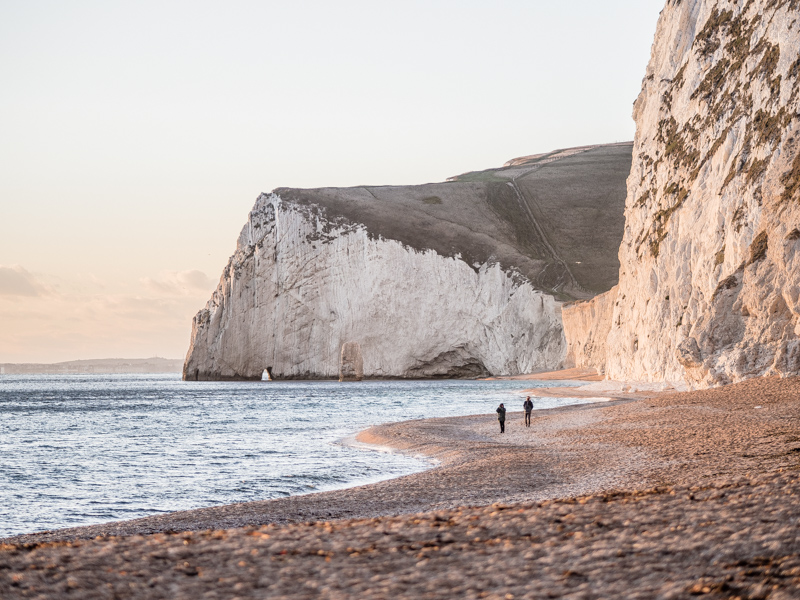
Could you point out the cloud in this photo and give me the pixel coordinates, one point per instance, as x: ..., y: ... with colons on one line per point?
x: 42, y: 322
x: 54, y: 327
x: 196, y: 279
x: 179, y: 283
x: 16, y: 281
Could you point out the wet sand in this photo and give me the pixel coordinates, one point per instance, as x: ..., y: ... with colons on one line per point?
x: 681, y: 495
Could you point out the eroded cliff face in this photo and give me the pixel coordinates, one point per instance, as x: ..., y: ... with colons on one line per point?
x: 709, y: 287
x: 308, y: 296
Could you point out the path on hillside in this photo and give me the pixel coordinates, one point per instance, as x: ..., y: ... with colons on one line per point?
x: 526, y: 206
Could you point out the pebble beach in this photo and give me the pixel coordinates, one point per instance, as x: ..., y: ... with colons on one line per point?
x: 676, y: 495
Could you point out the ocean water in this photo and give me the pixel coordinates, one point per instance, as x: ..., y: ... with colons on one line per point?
x: 84, y: 449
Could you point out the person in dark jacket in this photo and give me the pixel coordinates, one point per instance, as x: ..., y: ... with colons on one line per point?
x: 501, y: 416
x: 528, y: 406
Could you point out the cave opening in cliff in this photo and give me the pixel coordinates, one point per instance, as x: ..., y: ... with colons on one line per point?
x: 267, y: 374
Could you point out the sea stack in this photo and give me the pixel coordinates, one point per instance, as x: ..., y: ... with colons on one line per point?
x: 457, y: 279
x: 709, y: 286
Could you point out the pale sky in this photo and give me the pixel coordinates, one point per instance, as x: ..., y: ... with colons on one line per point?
x: 135, y: 136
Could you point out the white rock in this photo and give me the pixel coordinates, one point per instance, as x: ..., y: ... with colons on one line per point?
x: 299, y: 287
x: 586, y: 328
x: 710, y: 260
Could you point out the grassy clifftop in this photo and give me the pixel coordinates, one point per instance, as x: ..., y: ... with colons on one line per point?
x: 556, y: 218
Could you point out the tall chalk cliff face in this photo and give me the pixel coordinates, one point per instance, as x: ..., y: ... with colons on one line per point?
x: 457, y: 279
x: 300, y: 287
x: 709, y: 288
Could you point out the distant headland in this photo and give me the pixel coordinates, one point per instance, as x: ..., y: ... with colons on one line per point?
x: 155, y: 364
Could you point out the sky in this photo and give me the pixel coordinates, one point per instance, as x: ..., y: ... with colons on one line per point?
x: 135, y: 136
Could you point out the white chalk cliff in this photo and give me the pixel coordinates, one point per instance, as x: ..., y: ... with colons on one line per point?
x: 458, y: 279
x: 709, y: 286
x: 299, y: 288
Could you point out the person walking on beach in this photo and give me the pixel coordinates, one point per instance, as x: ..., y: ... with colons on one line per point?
x: 501, y: 416
x: 528, y: 406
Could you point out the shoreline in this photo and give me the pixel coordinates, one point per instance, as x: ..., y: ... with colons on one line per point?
x: 152, y: 523
x: 360, y: 500
x: 672, y: 496
x: 563, y: 455
x: 351, y: 468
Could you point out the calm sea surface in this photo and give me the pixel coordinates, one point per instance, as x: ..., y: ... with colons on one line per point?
x: 84, y: 449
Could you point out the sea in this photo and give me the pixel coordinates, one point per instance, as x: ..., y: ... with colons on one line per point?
x: 84, y: 449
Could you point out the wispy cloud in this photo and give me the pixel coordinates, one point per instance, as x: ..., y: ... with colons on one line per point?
x: 179, y: 283
x: 16, y: 281
x: 42, y: 321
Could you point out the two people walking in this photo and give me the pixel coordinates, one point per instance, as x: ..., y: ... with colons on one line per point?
x: 501, y: 414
